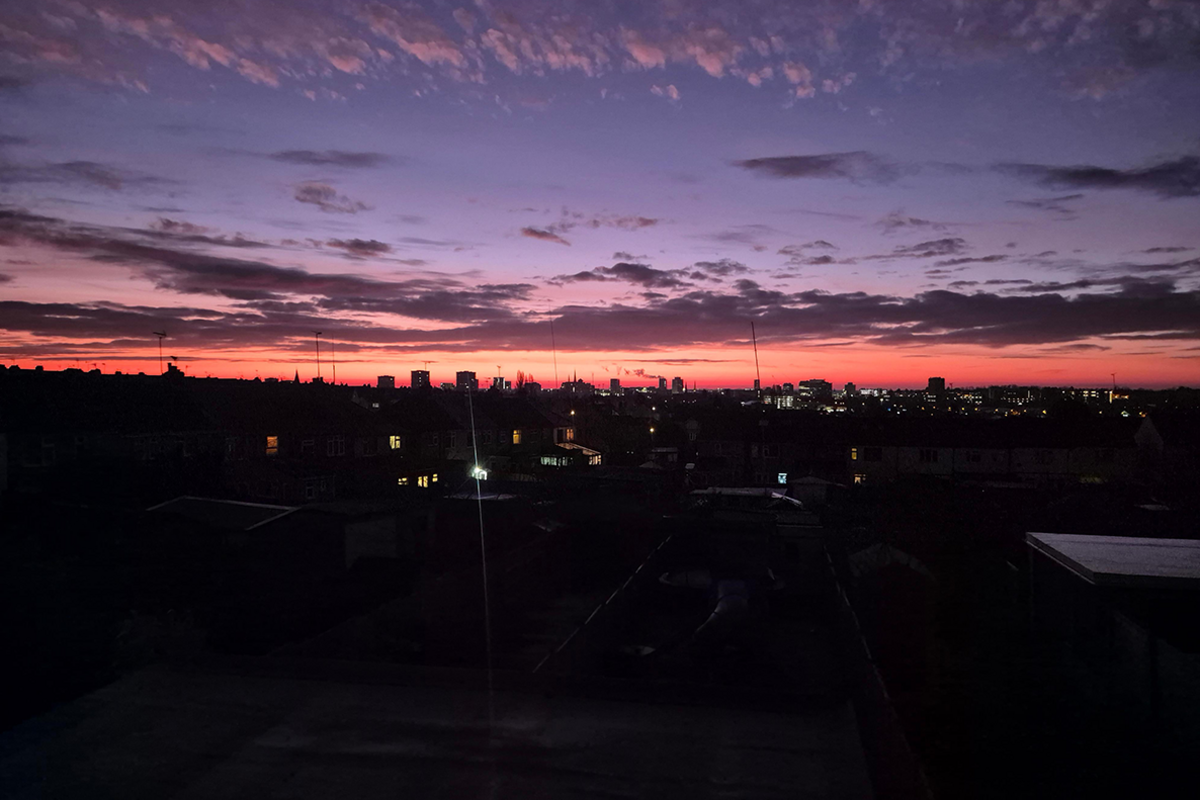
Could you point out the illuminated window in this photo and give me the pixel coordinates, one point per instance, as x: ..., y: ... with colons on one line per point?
x: 854, y: 454
x: 570, y: 434
x: 423, y: 481
x: 396, y: 442
x: 516, y: 437
x: 272, y: 445
x: 433, y: 478
x: 781, y: 477
x: 860, y: 478
x: 402, y: 481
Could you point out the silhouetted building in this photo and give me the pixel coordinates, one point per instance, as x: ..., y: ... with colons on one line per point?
x: 465, y: 381
x: 937, y: 385
x: 677, y: 385
x: 419, y: 379
x: 386, y: 382
x: 851, y: 389
x: 614, y: 385
x: 662, y: 384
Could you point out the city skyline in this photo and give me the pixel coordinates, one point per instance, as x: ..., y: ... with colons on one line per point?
x: 997, y: 194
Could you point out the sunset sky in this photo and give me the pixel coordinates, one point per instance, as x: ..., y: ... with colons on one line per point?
x: 993, y: 192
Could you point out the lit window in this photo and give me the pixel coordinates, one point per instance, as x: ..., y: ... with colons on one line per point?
x: 570, y: 434
x: 423, y: 481
x: 516, y: 437
x: 781, y: 477
x: 402, y: 481
x: 860, y: 478
x: 396, y: 442
x: 854, y: 454
x: 433, y: 478
x: 272, y: 445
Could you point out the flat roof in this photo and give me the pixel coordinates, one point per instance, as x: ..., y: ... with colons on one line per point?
x: 228, y: 514
x: 1129, y: 562
x: 162, y: 733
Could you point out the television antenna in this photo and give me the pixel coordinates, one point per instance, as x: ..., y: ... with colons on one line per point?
x: 317, y: 339
x: 161, y: 335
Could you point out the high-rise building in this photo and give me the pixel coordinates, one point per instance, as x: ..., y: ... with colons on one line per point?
x: 420, y: 379
x: 614, y: 385
x: 662, y: 384
x: 851, y: 389
x: 465, y: 381
x: 676, y: 385
x: 937, y: 385
x: 386, y: 382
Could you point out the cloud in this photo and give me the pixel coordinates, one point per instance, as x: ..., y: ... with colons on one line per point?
x: 1169, y: 179
x: 949, y: 246
x: 1055, y: 205
x: 898, y: 220
x: 544, y: 235
x: 360, y: 247
x: 640, y: 274
x: 1168, y: 249
x: 858, y: 167
x: 331, y: 158
x: 6, y: 278
x: 669, y: 92
x: 326, y: 198
x: 956, y: 262
x: 723, y: 268
x: 90, y: 174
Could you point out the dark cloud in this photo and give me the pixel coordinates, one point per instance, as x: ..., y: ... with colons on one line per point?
x: 1170, y: 179
x: 858, y: 166
x: 360, y: 247
x: 255, y: 282
x: 79, y: 173
x: 6, y: 278
x: 639, y: 274
x: 181, y: 231
x: 1054, y: 205
x: 544, y: 235
x: 955, y: 262
x: 950, y: 246
x: 723, y: 268
x: 326, y: 198
x: 13, y: 141
x: 898, y: 220
x: 1168, y: 249
x: 331, y: 158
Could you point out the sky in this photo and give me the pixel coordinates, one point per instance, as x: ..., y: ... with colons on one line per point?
x: 992, y: 192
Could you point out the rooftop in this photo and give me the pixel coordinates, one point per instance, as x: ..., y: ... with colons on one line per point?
x: 1125, y: 562
x: 210, y: 733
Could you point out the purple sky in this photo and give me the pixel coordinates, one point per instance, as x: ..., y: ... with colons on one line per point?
x: 994, y: 191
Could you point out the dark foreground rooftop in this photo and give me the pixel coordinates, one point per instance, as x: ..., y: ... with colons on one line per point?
x: 268, y: 728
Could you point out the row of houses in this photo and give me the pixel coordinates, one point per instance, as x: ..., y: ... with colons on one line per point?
x: 753, y: 448
x: 92, y: 434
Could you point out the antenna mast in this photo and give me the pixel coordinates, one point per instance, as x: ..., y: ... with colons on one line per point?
x: 554, y: 351
x: 162, y: 335
x: 333, y: 358
x: 317, y: 339
x: 757, y: 374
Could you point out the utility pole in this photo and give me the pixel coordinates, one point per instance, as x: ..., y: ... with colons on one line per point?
x: 161, y: 335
